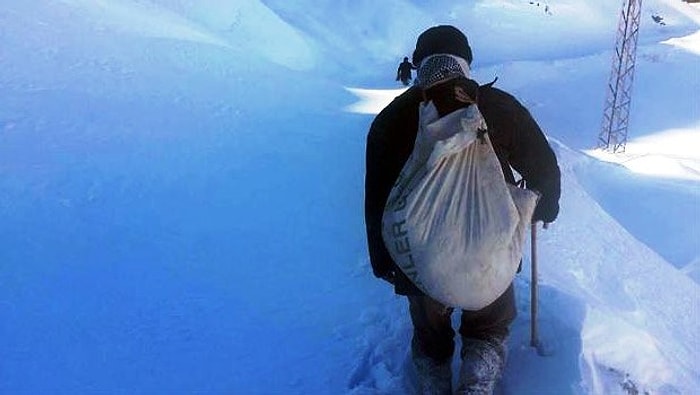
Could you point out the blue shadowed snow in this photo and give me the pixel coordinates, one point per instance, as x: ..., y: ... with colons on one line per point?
x: 181, y: 196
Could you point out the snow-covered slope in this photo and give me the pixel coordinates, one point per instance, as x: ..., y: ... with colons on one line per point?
x: 362, y: 34
x: 181, y: 192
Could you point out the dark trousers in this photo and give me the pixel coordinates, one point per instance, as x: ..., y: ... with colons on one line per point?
x: 432, y: 324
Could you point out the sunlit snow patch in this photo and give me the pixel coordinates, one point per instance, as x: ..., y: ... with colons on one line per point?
x: 611, y: 339
x: 372, y: 101
x: 672, y: 153
x: 690, y: 43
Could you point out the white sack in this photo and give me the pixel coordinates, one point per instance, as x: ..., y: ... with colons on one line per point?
x: 452, y: 223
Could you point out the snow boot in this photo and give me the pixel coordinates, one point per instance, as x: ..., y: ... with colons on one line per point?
x: 434, y: 378
x: 482, y: 364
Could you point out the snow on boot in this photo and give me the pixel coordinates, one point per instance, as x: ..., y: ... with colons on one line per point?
x: 482, y: 364
x: 433, y: 378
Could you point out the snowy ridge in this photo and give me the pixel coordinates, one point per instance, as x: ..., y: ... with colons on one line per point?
x: 634, y: 296
x: 142, y: 19
x: 234, y: 26
x: 181, y: 189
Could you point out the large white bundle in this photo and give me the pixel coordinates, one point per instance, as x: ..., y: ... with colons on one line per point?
x: 452, y: 223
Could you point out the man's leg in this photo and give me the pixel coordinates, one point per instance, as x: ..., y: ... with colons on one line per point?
x: 432, y: 345
x: 484, y: 335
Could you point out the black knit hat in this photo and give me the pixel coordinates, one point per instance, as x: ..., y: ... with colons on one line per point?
x: 442, y: 39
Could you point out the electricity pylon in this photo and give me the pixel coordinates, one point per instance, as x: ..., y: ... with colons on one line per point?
x: 613, y: 135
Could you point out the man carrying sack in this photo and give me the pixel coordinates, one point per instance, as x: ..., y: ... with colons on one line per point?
x: 445, y: 224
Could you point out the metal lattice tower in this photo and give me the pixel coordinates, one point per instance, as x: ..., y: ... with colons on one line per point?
x: 613, y: 135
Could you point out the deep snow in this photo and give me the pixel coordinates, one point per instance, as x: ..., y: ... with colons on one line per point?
x: 181, y: 190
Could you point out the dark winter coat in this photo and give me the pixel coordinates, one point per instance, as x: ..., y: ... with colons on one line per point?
x: 517, y: 139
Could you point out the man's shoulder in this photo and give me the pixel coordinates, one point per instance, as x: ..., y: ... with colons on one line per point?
x: 497, y: 103
x: 398, y: 118
x: 406, y: 103
x: 490, y: 95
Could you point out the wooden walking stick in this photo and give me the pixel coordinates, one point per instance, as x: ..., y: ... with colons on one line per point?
x: 534, y: 340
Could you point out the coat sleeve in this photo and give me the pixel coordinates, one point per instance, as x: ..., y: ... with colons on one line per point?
x: 533, y: 158
x: 377, y: 188
x: 526, y: 150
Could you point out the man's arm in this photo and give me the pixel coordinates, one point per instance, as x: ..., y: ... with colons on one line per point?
x: 525, y: 148
x: 533, y: 158
x: 376, y: 194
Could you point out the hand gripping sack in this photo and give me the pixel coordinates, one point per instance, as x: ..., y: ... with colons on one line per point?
x: 451, y: 223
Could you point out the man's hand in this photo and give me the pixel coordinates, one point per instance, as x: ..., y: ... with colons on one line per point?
x: 545, y: 211
x: 545, y: 225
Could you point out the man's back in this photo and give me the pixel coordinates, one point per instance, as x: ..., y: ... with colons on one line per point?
x: 509, y: 123
x: 516, y: 137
